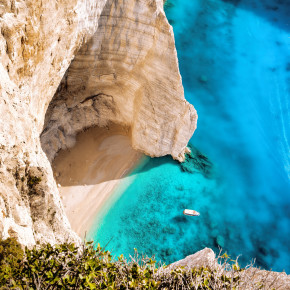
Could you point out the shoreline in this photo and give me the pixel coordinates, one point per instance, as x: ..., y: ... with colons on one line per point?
x: 89, y: 173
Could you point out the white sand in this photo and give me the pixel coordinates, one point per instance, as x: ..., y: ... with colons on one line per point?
x: 89, y: 172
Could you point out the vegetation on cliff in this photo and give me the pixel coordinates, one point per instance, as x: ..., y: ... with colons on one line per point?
x: 67, y: 266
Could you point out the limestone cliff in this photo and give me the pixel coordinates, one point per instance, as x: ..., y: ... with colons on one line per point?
x: 38, y: 40
x: 127, y: 73
x: 125, y: 70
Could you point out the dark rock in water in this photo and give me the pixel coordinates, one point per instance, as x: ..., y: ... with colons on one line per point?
x: 195, y: 161
x: 273, y: 8
x: 169, y: 251
x: 171, y: 22
x: 273, y: 69
x: 168, y: 4
x: 203, y: 79
x: 180, y: 219
x: 274, y: 253
x: 179, y: 187
x: 220, y: 241
x: 261, y: 262
x: 169, y: 230
x: 263, y: 251
x: 187, y: 167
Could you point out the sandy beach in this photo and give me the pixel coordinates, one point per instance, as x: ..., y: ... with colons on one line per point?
x: 89, y: 172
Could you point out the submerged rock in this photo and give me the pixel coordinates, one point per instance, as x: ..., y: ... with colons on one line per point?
x: 179, y: 187
x: 169, y: 230
x: 195, y: 161
x: 220, y: 241
x: 203, y: 79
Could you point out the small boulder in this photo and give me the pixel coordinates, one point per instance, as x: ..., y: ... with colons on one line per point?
x: 203, y: 258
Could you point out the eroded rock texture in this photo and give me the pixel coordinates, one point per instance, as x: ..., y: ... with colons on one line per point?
x: 127, y: 74
x: 38, y: 40
x: 203, y: 258
x: 250, y: 278
x: 125, y: 71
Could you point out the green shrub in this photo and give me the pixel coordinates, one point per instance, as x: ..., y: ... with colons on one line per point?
x: 67, y: 266
x: 33, y: 180
x: 10, y: 250
x: 11, y: 254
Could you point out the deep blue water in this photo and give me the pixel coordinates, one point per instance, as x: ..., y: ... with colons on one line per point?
x: 235, y: 63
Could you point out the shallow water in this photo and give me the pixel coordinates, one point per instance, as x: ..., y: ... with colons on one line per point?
x: 235, y: 62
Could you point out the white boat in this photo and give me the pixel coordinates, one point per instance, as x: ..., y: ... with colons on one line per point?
x: 191, y: 212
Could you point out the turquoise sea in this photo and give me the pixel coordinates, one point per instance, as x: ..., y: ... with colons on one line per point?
x: 235, y: 63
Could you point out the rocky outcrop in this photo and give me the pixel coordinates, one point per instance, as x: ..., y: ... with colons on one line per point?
x: 249, y: 278
x: 203, y: 258
x: 38, y: 40
x: 125, y: 71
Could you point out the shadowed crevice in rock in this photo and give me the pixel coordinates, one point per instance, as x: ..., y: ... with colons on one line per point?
x: 126, y: 74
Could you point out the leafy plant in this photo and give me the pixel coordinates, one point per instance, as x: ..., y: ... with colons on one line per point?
x: 68, y: 266
x: 33, y: 180
x: 11, y: 253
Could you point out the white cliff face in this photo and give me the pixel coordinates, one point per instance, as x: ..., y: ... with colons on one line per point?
x: 125, y: 71
x: 38, y: 40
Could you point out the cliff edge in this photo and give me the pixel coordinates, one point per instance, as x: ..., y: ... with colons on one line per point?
x: 70, y: 65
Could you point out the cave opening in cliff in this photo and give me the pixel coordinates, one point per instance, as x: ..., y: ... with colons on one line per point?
x: 88, y: 149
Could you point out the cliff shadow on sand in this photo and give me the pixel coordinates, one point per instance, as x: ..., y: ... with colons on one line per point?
x: 99, y: 155
x: 88, y: 172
